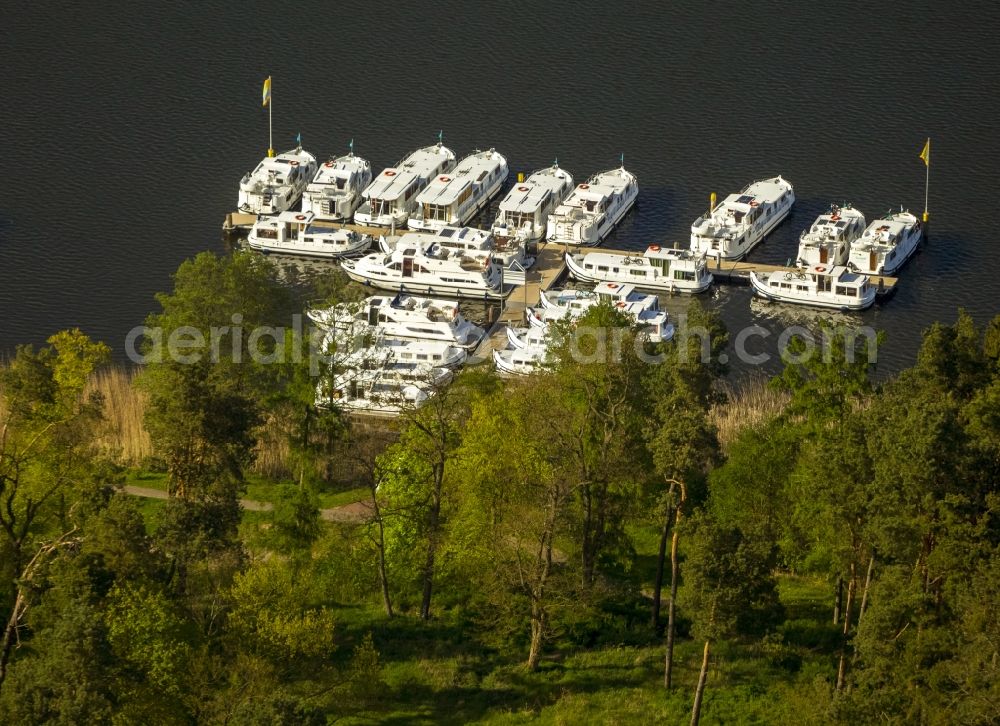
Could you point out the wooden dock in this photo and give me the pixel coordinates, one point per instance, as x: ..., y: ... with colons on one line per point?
x: 238, y: 221
x: 550, y: 265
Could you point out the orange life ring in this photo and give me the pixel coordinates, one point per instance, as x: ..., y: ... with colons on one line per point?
x: 819, y: 268
x: 654, y: 248
x: 293, y: 163
x: 754, y: 204
x: 620, y: 304
x: 300, y: 217
x: 390, y: 172
x: 835, y: 218
x: 612, y: 285
x: 328, y: 164
x: 522, y: 189
x: 444, y: 179
x: 584, y: 186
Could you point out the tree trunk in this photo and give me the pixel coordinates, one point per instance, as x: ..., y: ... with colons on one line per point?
x: 10, y: 634
x: 661, y: 557
x: 700, y: 690
x: 864, y: 593
x: 380, y: 548
x: 838, y: 599
x: 842, y: 665
x: 434, y: 520
x: 668, y: 665
x: 537, y: 635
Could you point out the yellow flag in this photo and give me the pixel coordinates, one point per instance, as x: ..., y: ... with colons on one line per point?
x: 267, y: 90
x: 926, y: 153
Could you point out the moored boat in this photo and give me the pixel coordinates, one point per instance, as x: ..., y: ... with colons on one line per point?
x: 886, y: 244
x: 452, y: 199
x: 420, y: 265
x: 335, y: 191
x: 658, y: 268
x: 404, y: 316
x: 277, y: 183
x: 828, y: 241
x: 824, y: 286
x: 525, y: 211
x: 733, y: 227
x: 391, y: 197
x: 295, y: 233
x: 592, y: 209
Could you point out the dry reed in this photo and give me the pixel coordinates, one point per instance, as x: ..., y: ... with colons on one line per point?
x: 123, y: 437
x: 750, y: 404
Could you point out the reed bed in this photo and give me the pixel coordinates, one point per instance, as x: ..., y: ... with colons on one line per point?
x: 752, y: 403
x: 123, y: 437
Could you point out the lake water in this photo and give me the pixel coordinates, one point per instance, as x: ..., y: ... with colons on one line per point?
x: 128, y: 126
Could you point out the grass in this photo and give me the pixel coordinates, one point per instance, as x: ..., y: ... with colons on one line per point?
x: 434, y: 673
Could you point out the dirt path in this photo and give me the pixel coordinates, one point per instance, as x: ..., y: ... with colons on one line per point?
x: 353, y: 512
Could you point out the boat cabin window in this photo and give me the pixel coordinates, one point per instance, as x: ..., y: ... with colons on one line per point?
x: 637, y: 273
x: 267, y: 233
x: 846, y: 291
x: 683, y: 275
x: 437, y: 212
x: 602, y: 268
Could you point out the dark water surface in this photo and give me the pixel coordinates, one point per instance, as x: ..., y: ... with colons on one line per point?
x: 126, y: 127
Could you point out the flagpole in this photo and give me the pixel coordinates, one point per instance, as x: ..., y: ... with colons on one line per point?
x: 927, y: 181
x: 270, y: 112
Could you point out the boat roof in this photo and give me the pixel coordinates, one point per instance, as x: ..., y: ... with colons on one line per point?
x: 473, y: 237
x: 291, y: 217
x: 427, y: 160
x: 282, y: 162
x: 420, y: 164
x: 446, y: 188
x: 893, y: 223
x: 343, y: 167
x: 531, y: 194
x: 615, y: 289
x: 766, y: 190
x: 674, y: 253
x: 602, y: 185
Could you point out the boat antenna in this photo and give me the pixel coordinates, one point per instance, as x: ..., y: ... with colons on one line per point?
x: 440, y: 137
x: 556, y: 162
x: 351, y: 147
x: 623, y: 160
x: 298, y: 140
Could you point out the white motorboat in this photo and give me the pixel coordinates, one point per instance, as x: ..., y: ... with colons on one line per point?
x: 296, y: 233
x: 828, y: 241
x: 825, y: 286
x: 453, y: 198
x: 592, y: 209
x: 611, y: 292
x: 654, y: 324
x: 886, y: 244
x: 525, y: 336
x: 467, y: 241
x: 404, y: 316
x: 335, y: 191
x: 525, y: 211
x: 277, y: 183
x: 420, y: 265
x: 391, y: 197
x: 658, y: 268
x: 388, y: 390
x: 740, y: 221
x: 367, y: 347
x: 522, y: 361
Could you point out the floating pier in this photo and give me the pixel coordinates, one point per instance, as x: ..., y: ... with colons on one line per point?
x: 550, y: 265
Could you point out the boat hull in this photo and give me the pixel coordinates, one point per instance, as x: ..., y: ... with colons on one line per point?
x: 841, y: 303
x: 658, y: 285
